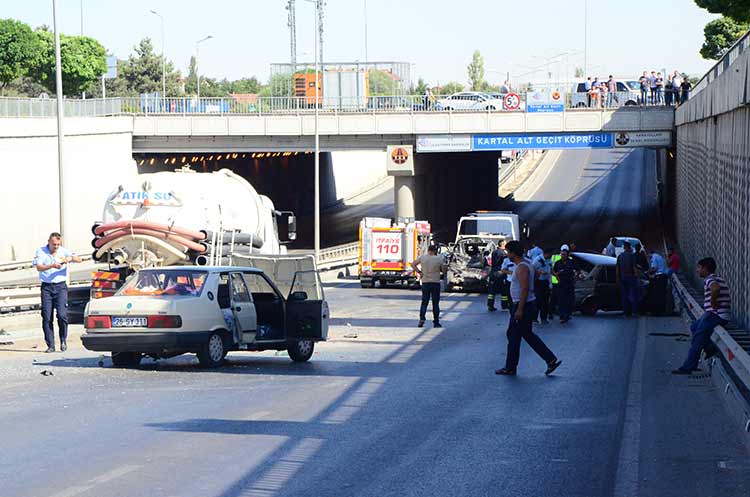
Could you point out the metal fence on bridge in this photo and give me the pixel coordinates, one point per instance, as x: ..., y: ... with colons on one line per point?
x: 462, y: 102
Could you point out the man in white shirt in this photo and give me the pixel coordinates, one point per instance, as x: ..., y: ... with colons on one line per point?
x: 51, y: 261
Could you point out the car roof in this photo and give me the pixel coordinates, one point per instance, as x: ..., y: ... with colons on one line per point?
x: 209, y: 269
x: 596, y: 259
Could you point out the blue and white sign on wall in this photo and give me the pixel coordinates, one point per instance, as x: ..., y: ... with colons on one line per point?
x: 535, y: 141
x: 544, y: 101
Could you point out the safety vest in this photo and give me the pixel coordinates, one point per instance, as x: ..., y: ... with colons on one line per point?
x: 553, y: 260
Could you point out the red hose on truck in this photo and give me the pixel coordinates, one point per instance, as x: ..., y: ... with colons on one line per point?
x: 104, y: 228
x: 170, y: 237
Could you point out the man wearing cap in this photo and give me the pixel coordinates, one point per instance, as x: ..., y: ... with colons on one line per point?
x: 565, y: 272
x: 51, y: 261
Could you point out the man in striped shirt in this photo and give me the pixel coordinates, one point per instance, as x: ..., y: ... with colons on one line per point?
x: 717, y: 304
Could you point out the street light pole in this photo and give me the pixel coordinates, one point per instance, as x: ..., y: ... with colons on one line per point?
x: 586, y: 38
x: 60, y: 110
x: 317, y: 138
x: 163, y: 60
x: 197, y: 72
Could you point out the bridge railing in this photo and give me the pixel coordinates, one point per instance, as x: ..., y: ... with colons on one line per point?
x: 154, y: 105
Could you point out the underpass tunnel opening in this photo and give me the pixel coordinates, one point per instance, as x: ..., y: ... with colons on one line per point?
x: 586, y: 196
x: 286, y: 177
x: 452, y: 184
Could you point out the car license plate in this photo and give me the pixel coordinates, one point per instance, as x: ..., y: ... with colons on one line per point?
x: 129, y: 322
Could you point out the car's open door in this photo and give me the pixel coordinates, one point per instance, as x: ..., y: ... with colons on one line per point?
x: 307, y: 311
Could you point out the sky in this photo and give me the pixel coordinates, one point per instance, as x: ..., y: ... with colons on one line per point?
x: 437, y: 37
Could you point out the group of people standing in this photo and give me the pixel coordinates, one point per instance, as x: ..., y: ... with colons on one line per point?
x: 658, y: 90
x: 554, y: 281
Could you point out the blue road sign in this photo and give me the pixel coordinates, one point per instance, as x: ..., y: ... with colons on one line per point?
x: 532, y: 141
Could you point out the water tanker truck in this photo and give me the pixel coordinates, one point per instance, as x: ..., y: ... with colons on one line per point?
x: 184, y: 217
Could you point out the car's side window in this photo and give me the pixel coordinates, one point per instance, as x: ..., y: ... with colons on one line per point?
x: 259, y: 287
x: 581, y: 87
x: 223, y: 295
x: 239, y: 289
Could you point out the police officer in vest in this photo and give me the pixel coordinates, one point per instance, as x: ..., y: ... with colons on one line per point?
x: 495, y: 278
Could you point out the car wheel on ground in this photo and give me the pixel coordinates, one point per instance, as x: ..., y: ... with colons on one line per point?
x: 213, y: 351
x: 580, y: 105
x: 490, y: 107
x: 631, y: 103
x: 367, y: 284
x: 590, y: 306
x: 301, y: 350
x: 126, y: 359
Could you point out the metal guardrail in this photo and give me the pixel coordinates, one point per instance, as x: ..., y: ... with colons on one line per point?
x: 339, y: 256
x: 183, y: 106
x: 734, y: 355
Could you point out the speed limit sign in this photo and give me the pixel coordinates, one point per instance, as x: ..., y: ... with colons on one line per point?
x: 512, y: 101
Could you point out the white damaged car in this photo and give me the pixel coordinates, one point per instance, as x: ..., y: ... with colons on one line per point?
x: 209, y: 311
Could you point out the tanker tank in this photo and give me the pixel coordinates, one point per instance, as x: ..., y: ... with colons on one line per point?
x: 184, y: 217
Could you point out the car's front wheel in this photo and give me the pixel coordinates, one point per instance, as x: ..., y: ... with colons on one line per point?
x: 126, y: 359
x: 589, y: 306
x: 301, y: 350
x: 213, y: 352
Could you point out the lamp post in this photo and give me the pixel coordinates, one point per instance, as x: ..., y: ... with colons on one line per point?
x: 317, y: 136
x: 163, y: 60
x: 60, y: 110
x: 586, y: 38
x: 197, y: 72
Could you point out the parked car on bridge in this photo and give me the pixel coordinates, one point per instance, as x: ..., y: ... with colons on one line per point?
x: 619, y: 240
x: 209, y: 311
x: 626, y: 95
x: 469, y: 100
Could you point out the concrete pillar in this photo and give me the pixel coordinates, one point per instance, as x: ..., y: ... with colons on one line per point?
x: 403, y: 190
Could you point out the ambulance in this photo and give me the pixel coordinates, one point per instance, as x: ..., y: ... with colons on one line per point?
x: 387, y: 249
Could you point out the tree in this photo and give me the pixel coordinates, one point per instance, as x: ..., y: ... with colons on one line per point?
x: 720, y: 34
x: 381, y: 82
x: 449, y: 88
x: 739, y: 10
x: 82, y: 58
x: 191, y: 85
x: 476, y: 71
x: 420, y: 88
x: 245, y: 85
x: 142, y: 72
x: 579, y: 72
x: 19, y: 48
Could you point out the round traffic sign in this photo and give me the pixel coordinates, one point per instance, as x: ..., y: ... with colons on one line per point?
x: 512, y: 101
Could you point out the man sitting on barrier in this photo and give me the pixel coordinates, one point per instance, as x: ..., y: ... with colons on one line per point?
x: 717, y: 305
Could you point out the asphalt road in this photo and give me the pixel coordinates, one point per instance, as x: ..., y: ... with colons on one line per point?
x: 588, y: 196
x: 383, y: 408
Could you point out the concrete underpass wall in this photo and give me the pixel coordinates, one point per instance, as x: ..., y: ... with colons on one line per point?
x: 449, y: 185
x: 713, y: 181
x: 96, y: 149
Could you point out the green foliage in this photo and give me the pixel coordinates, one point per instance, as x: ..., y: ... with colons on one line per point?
x: 19, y: 48
x: 191, y: 85
x: 720, y: 34
x: 244, y: 85
x: 420, y: 88
x: 476, y: 71
x: 82, y: 58
x: 142, y: 73
x: 449, y: 88
x: 381, y: 82
x: 579, y: 72
x: 739, y: 10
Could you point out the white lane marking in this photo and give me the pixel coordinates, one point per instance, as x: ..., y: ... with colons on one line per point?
x: 103, y: 478
x: 627, y: 480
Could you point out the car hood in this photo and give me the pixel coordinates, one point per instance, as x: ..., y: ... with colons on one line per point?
x: 596, y: 259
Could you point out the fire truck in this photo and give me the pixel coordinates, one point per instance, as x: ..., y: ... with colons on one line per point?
x: 387, y: 249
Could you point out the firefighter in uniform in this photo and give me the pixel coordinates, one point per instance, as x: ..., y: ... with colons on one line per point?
x: 555, y: 290
x: 495, y: 277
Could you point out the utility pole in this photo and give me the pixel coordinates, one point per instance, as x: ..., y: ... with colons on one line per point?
x: 585, y: 39
x: 60, y: 110
x: 319, y: 6
x: 292, y: 23
x: 163, y: 61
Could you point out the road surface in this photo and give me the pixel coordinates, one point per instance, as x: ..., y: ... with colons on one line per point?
x: 588, y: 196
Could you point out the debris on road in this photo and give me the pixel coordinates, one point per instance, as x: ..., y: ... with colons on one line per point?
x: 350, y: 335
x: 47, y: 372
